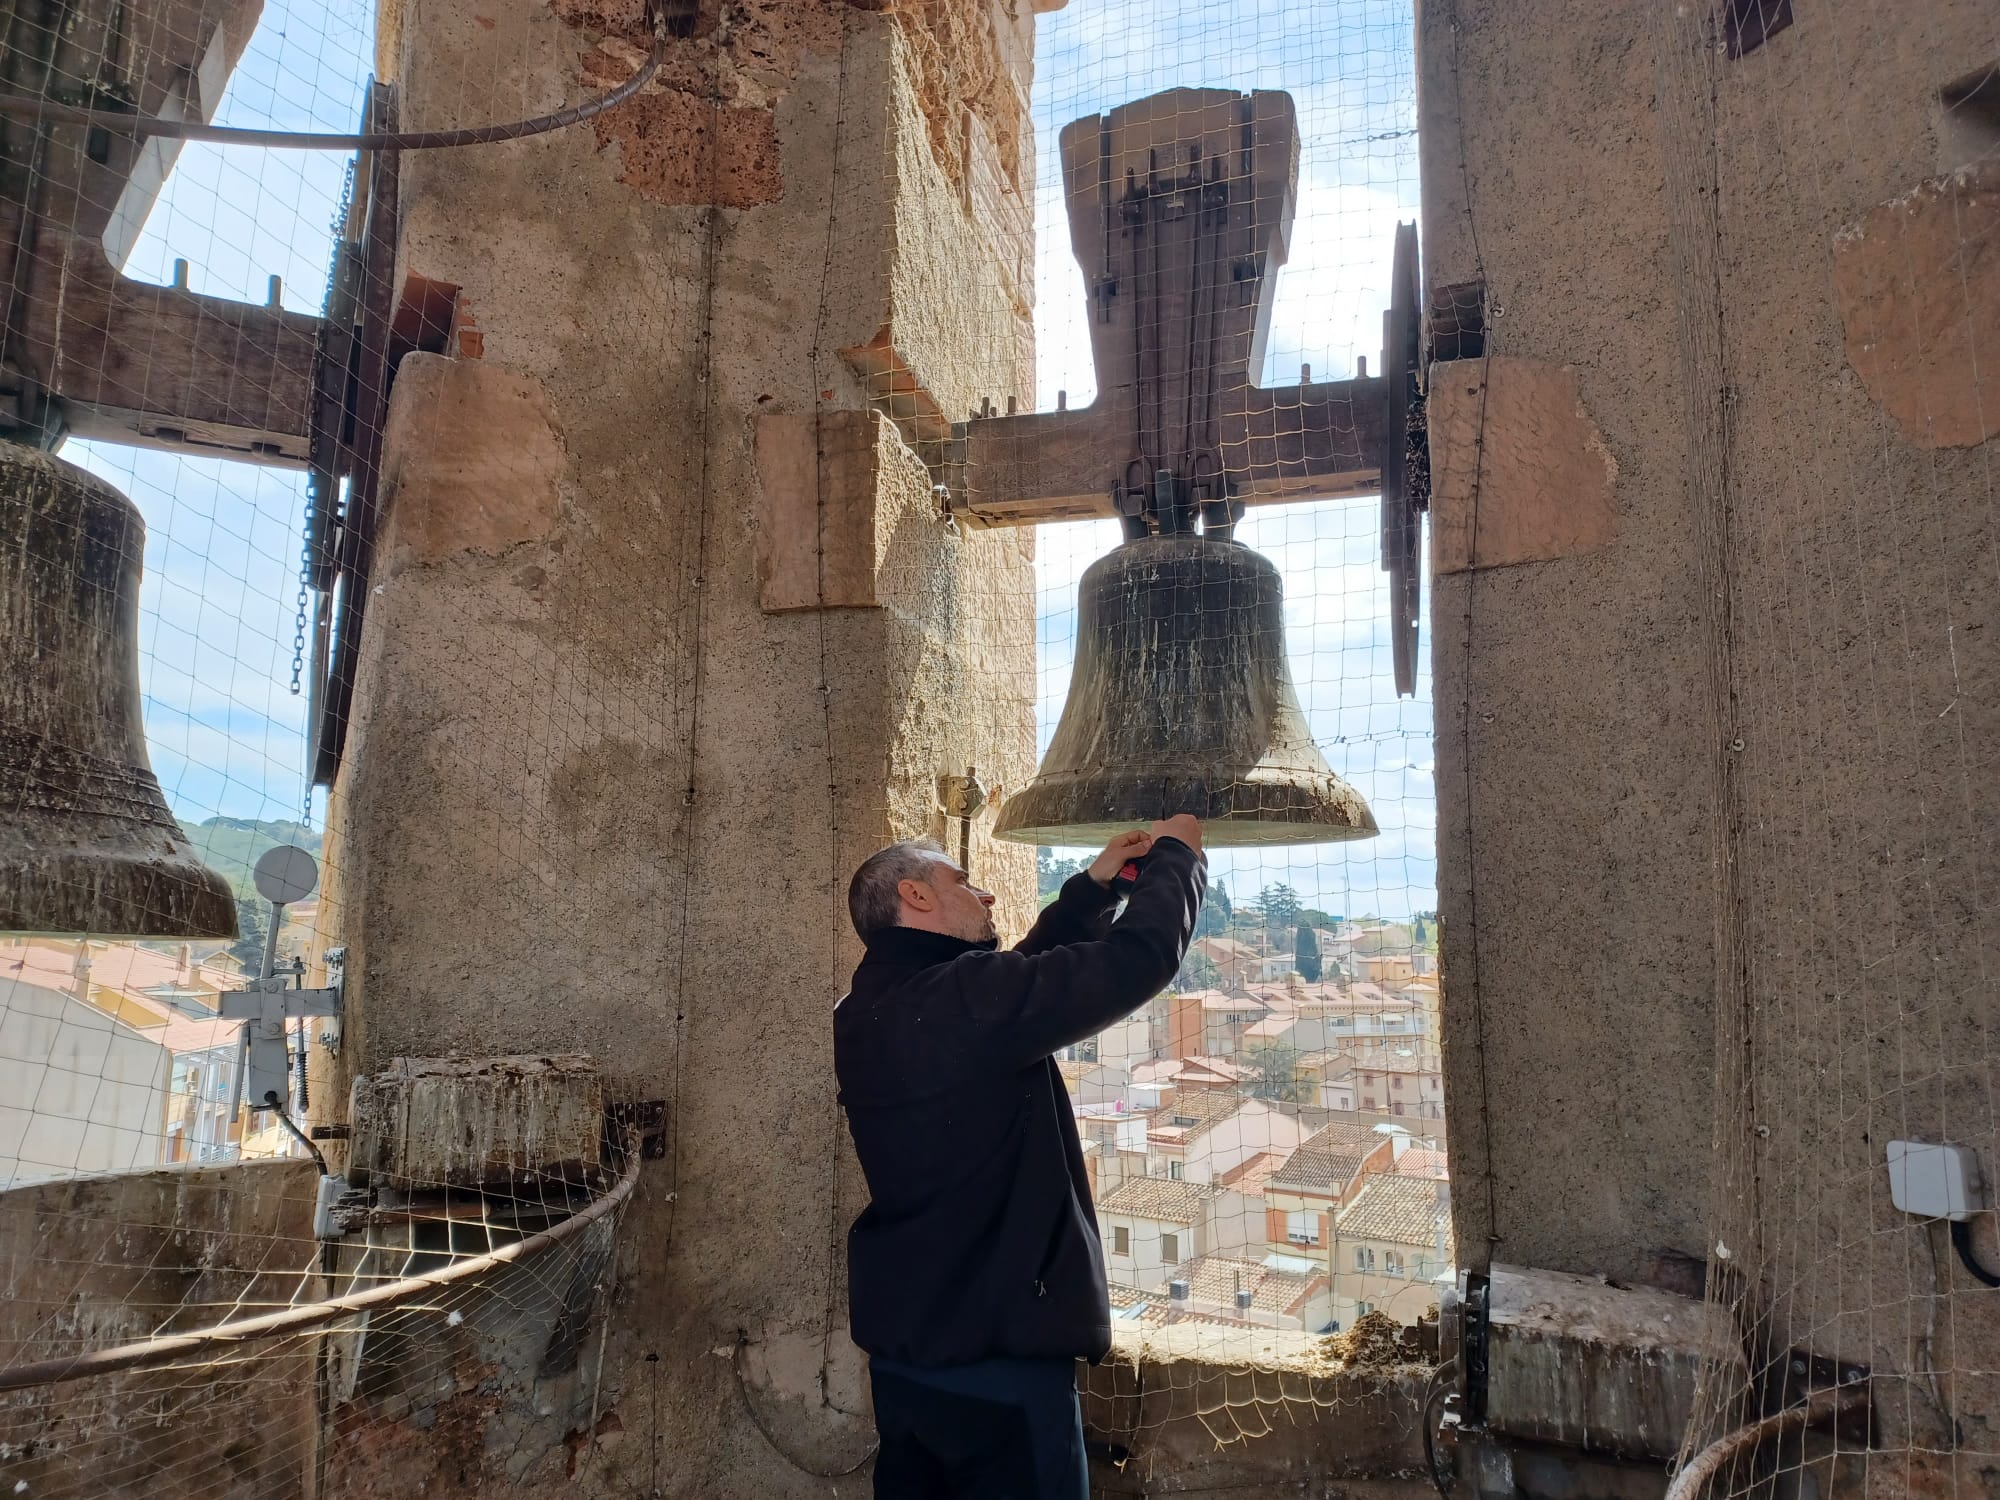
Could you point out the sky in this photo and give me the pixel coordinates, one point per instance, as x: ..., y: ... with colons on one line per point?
x: 1348, y: 66
x: 220, y: 591
x: 218, y: 600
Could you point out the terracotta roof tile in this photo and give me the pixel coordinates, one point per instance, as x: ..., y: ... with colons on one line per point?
x: 1214, y: 1279
x: 1249, y: 1177
x: 1163, y: 1198
x: 1420, y: 1162
x: 1401, y: 1210
x: 1330, y: 1158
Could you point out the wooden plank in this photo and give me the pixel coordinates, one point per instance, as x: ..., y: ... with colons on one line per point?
x: 165, y: 368
x: 1284, y: 443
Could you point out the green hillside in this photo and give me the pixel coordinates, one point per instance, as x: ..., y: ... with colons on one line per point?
x: 231, y: 846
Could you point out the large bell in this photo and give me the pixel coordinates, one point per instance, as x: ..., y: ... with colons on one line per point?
x: 87, y: 844
x: 1181, y: 701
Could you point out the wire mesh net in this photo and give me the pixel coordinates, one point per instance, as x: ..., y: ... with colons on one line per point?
x: 417, y: 480
x: 1266, y: 1139
x: 1854, y: 1005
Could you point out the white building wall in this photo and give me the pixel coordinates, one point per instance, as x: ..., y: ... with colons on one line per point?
x: 1129, y: 1041
x: 1253, y: 1128
x: 1233, y: 1223
x: 1146, y: 1264
x: 79, y: 1091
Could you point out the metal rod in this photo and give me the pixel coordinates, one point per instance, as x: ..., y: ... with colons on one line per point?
x: 271, y: 941
x: 1822, y: 1406
x: 148, y: 1352
x: 51, y: 113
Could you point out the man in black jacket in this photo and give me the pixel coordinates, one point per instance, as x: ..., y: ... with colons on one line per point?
x: 975, y: 1274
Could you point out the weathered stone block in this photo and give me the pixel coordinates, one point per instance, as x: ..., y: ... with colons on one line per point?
x: 449, y: 488
x: 432, y: 1122
x: 1917, y: 281
x: 822, y: 531
x: 1579, y: 1362
x: 1519, y: 471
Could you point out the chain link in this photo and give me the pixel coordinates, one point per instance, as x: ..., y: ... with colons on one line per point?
x: 299, y: 640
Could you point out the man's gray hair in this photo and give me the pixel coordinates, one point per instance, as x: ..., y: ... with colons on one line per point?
x: 872, y: 899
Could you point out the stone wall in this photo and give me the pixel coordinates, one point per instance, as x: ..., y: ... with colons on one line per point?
x: 668, y: 634
x: 103, y: 1261
x: 1715, y: 665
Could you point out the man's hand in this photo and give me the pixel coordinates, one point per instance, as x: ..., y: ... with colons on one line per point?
x: 1183, y: 826
x: 1118, y: 853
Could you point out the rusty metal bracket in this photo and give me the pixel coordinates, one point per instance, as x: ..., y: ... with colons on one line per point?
x: 1405, y: 457
x: 1475, y: 1347
x: 641, y: 1120
x: 350, y: 406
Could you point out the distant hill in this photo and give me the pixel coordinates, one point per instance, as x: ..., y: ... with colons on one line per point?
x: 231, y: 846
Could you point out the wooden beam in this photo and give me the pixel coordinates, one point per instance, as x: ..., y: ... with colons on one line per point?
x: 1284, y: 443
x: 161, y: 367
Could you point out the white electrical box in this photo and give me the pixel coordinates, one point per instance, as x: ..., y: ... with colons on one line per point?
x: 1934, y: 1181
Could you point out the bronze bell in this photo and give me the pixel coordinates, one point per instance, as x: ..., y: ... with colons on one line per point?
x: 87, y: 844
x: 1181, y: 701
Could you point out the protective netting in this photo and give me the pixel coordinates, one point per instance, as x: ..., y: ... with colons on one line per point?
x: 1849, y: 583
x: 631, y: 528
x: 1266, y: 1140
x: 199, y: 1332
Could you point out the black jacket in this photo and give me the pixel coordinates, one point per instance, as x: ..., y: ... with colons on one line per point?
x: 980, y: 1239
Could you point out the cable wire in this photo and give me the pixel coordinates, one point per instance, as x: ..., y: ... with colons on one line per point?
x: 1961, y: 1241
x: 277, y: 1107
x: 49, y: 112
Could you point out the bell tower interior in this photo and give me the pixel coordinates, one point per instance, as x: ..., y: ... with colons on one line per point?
x: 504, y: 504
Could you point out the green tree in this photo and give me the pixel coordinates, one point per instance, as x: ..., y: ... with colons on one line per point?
x: 1281, y: 906
x: 1305, y: 954
x: 253, y: 922
x: 1277, y: 1074
x: 1197, y: 972
x: 1050, y: 872
x: 1213, y: 920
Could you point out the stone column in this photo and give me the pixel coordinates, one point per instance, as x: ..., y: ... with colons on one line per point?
x: 667, y: 634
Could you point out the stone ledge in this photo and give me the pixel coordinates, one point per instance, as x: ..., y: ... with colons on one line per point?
x: 1205, y: 1409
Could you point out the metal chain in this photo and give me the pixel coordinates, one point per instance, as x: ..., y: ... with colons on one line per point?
x: 299, y: 626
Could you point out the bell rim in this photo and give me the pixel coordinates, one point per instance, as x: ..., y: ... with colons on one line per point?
x: 1216, y: 833
x: 63, y: 894
x: 1231, y: 817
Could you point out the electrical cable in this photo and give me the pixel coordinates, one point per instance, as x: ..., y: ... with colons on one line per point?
x: 271, y: 1103
x: 49, y: 112
x: 1435, y: 1388
x: 1961, y: 1241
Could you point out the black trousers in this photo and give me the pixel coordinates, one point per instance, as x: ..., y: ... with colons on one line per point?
x: 1001, y: 1429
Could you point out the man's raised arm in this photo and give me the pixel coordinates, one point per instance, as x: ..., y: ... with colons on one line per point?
x: 1082, y: 910
x: 1032, y: 1004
